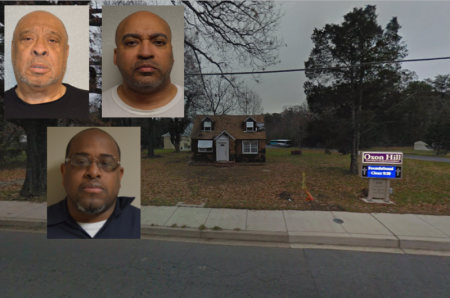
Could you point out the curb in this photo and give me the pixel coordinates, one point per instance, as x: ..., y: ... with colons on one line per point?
x: 342, y: 239
x: 168, y: 231
x: 385, y: 241
x: 424, y: 243
x: 264, y: 236
x: 23, y: 223
x: 212, y: 234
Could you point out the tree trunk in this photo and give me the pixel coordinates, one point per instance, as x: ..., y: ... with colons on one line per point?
x: 354, y: 153
x: 151, y: 152
x: 177, y: 146
x: 354, y: 149
x: 175, y: 136
x: 36, y: 177
x: 300, y: 133
x: 358, y: 120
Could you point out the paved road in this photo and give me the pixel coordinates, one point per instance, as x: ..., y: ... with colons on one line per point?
x: 32, y: 266
x: 428, y: 158
x: 419, y: 157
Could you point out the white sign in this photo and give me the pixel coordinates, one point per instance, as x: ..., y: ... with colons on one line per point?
x: 395, y: 158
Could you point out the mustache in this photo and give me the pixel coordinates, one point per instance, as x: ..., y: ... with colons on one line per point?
x: 92, y: 184
x: 39, y: 60
x: 146, y: 63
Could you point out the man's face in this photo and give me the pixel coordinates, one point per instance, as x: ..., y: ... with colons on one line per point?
x: 91, y: 188
x: 39, y: 50
x: 144, y: 51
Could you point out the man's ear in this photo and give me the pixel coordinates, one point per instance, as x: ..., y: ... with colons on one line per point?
x: 120, y: 173
x: 115, y: 58
x: 120, y: 176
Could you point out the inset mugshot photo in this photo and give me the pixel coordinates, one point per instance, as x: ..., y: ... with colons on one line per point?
x: 93, y: 183
x: 46, y: 62
x: 143, y: 61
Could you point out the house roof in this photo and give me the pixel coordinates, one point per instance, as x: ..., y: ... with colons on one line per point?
x: 233, y: 124
x: 224, y: 132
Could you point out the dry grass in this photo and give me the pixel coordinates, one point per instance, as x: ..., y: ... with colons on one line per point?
x: 424, y: 189
x: 277, y: 184
x: 12, y: 174
x: 11, y: 181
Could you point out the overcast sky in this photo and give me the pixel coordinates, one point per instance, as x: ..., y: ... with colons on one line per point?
x: 425, y: 29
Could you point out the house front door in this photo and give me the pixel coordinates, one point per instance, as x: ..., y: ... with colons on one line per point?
x: 222, y: 150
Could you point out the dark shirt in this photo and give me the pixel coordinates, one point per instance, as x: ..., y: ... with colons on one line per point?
x: 124, y: 222
x: 74, y: 104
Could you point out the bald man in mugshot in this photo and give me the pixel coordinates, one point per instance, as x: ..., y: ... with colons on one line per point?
x: 144, y: 57
x: 39, y: 53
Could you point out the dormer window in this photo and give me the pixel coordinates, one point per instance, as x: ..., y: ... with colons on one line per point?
x: 249, y: 126
x: 207, y: 125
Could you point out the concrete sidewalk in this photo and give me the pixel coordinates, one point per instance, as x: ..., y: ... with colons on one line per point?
x: 406, y: 231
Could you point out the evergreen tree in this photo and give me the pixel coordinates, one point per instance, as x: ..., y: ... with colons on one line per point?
x: 351, y: 94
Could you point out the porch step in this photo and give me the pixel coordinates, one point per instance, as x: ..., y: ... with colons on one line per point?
x: 224, y: 164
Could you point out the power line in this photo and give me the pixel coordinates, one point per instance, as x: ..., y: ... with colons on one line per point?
x: 312, y: 69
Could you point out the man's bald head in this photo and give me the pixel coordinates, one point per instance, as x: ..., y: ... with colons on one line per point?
x: 135, y: 18
x: 38, y: 17
x: 90, y: 131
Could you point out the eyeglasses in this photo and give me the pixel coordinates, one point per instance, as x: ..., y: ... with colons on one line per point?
x: 107, y: 163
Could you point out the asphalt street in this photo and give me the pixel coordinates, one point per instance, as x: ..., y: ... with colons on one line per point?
x: 419, y: 157
x: 32, y: 266
x: 429, y: 158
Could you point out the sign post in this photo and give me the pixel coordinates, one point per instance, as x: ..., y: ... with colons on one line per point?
x: 380, y: 168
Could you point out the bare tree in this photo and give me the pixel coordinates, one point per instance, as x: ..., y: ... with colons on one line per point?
x: 229, y: 34
x: 296, y: 118
x: 250, y: 103
x: 219, y: 96
x: 193, y: 92
x: 243, y: 32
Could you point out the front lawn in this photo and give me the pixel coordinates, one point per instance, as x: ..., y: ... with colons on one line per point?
x: 278, y: 184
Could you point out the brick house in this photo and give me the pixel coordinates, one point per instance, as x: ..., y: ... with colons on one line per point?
x: 228, y: 138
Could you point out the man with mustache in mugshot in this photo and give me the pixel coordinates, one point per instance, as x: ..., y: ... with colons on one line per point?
x: 144, y: 57
x: 91, y: 177
x: 39, y: 53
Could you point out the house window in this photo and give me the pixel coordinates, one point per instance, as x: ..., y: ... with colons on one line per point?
x: 250, y: 147
x: 249, y: 126
x: 207, y: 125
x: 205, y: 146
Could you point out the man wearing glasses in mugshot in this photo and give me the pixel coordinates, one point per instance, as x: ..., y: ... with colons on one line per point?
x: 91, y: 178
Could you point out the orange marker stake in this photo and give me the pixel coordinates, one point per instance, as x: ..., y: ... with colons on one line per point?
x: 309, y: 197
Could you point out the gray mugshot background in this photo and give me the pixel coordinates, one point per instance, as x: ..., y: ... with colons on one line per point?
x: 129, y: 141
x: 113, y: 15
x: 76, y: 21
